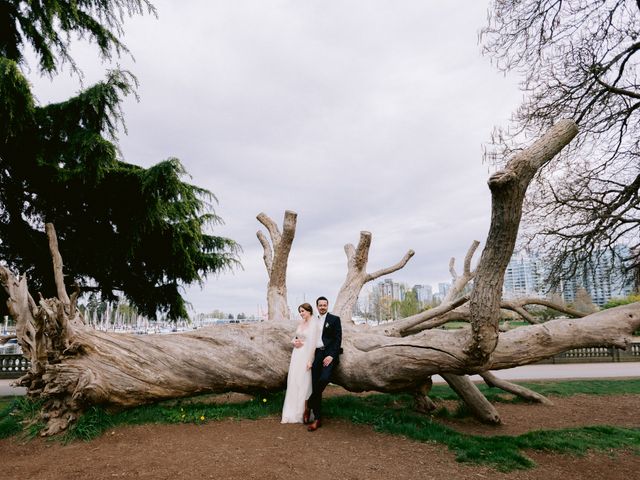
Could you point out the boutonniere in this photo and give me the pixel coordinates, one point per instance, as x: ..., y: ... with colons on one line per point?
x: 326, y: 325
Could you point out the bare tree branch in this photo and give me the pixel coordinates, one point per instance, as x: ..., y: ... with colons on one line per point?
x: 276, y: 258
x: 57, y: 263
x: 508, y: 188
x: 581, y: 61
x: 357, y: 276
x: 518, y: 390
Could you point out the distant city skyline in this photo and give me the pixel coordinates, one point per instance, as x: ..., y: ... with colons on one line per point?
x: 524, y: 276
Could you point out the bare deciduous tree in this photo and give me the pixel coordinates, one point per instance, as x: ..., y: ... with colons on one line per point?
x: 578, y: 60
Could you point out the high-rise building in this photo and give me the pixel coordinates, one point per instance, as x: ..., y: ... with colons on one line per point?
x: 525, y: 276
x: 424, y: 293
x: 391, y: 289
x: 443, y: 289
x: 604, y: 280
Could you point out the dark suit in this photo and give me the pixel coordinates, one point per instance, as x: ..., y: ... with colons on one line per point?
x: 321, y: 375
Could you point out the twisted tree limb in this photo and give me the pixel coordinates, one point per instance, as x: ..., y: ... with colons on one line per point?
x: 460, y: 282
x: 508, y: 188
x: 517, y: 305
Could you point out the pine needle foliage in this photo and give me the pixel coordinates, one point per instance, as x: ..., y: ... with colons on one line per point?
x: 145, y: 232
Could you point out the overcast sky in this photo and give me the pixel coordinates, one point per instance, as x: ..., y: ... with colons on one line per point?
x: 357, y: 115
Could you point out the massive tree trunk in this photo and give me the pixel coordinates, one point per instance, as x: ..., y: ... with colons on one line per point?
x: 74, y: 366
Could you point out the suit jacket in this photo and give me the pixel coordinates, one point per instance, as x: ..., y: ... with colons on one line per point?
x: 332, y: 336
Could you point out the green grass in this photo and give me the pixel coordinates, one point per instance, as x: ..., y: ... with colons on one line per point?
x: 9, y: 424
x: 387, y: 413
x: 18, y: 416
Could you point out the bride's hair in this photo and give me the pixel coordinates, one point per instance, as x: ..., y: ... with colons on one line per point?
x: 307, y: 307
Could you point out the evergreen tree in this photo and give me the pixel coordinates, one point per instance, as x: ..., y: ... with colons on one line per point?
x: 144, y: 232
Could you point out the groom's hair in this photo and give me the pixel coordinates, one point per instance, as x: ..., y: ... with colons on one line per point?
x: 322, y: 298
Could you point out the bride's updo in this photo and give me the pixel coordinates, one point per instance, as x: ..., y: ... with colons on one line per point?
x: 307, y: 307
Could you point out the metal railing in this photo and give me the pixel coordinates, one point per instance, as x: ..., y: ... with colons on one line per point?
x: 13, y: 365
x: 597, y: 355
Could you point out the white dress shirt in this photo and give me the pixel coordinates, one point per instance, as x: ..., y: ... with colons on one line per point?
x: 320, y: 320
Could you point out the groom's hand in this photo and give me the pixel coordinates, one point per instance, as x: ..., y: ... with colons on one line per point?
x: 327, y: 360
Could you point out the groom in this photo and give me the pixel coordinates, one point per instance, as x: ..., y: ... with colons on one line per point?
x: 326, y: 358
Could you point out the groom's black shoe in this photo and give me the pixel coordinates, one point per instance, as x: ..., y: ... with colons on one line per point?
x: 314, y: 425
x: 305, y: 416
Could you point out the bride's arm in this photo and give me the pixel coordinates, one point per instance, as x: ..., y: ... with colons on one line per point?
x: 296, y: 341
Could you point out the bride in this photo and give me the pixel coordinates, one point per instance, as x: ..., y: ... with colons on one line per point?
x: 299, y: 378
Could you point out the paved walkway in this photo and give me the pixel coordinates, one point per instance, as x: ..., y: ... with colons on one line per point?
x: 564, y: 371
x: 7, y: 389
x: 527, y: 372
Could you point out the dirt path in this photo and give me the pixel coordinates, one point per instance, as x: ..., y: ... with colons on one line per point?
x: 265, y: 449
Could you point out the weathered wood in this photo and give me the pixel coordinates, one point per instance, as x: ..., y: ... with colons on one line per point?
x: 357, y: 276
x: 276, y: 258
x: 74, y: 367
x: 508, y: 188
x: 473, y: 398
x: 92, y: 367
x: 57, y: 264
x: 523, y: 392
x: 422, y: 402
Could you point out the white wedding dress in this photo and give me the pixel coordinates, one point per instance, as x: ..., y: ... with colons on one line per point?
x: 299, y: 378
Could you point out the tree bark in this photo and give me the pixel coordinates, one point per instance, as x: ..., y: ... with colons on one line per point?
x: 523, y: 392
x: 467, y: 391
x: 422, y: 402
x: 508, y: 188
x: 276, y: 258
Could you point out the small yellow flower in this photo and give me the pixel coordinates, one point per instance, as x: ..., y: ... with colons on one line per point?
x: 264, y: 400
x: 202, y: 417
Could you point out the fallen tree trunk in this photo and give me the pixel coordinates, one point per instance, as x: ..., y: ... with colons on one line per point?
x: 121, y: 370
x: 74, y: 367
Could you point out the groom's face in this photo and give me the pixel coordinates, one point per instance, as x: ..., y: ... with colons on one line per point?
x: 323, y: 306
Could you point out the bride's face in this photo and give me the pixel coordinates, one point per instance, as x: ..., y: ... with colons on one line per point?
x: 304, y: 314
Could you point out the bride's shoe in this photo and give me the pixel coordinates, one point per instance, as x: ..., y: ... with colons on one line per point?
x: 306, y: 416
